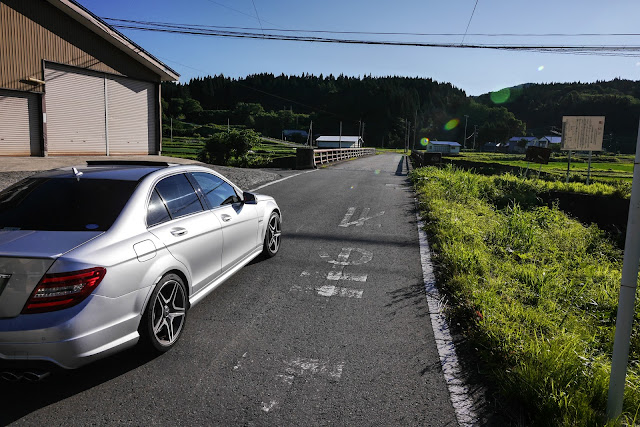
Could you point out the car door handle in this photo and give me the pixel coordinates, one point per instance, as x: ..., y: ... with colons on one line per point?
x: 225, y: 217
x: 178, y: 231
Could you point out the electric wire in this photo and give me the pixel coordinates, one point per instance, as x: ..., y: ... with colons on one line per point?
x: 469, y: 23
x: 200, y: 26
x: 257, y: 16
x: 600, y: 50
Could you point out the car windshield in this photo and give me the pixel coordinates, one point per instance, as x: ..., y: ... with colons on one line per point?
x: 63, y: 204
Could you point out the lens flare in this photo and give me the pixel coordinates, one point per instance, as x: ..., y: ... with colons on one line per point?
x: 501, y: 96
x: 377, y: 172
x: 451, y: 124
x: 424, y: 142
x: 540, y: 68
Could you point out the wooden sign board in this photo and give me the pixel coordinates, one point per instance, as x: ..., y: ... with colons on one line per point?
x: 582, y: 133
x: 538, y: 155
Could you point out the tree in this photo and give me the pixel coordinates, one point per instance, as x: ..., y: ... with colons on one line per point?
x: 221, y: 147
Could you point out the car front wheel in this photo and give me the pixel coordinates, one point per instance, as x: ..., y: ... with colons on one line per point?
x: 166, y: 314
x: 272, y: 235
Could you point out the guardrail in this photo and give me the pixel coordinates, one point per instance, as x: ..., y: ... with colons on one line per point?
x: 310, y: 157
x: 422, y: 158
x: 333, y: 155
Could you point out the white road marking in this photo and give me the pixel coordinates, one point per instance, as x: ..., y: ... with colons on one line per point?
x: 458, y: 390
x: 280, y: 180
x: 337, y: 272
x: 267, y: 407
x: 359, y: 222
x: 301, y: 366
x: 330, y: 291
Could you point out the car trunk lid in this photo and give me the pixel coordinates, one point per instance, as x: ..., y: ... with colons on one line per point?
x: 25, y: 256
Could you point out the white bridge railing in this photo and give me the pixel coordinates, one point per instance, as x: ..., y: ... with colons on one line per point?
x: 321, y: 157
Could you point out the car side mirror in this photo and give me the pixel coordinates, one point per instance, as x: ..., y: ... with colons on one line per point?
x: 249, y: 198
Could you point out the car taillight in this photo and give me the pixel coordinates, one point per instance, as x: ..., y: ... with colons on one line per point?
x: 63, y: 290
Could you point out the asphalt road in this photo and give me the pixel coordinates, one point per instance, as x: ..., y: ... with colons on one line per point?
x: 332, y: 331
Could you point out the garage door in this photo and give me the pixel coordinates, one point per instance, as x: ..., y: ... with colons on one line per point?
x: 75, y: 112
x: 91, y: 113
x: 130, y: 105
x: 19, y: 124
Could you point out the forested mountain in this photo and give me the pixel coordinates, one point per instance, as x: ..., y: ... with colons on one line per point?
x: 542, y: 106
x: 270, y: 104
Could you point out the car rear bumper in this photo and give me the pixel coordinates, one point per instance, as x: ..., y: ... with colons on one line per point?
x: 76, y: 336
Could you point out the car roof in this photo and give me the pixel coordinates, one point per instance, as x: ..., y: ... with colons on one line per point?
x: 115, y: 172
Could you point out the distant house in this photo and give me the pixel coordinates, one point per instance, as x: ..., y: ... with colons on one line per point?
x: 294, y: 133
x: 339, y: 142
x: 519, y: 144
x: 550, y: 141
x: 490, y: 147
x: 445, y: 147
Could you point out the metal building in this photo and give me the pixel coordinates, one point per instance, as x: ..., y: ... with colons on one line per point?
x: 339, y: 142
x: 70, y: 84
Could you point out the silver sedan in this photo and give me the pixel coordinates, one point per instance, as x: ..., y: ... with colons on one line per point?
x: 95, y: 259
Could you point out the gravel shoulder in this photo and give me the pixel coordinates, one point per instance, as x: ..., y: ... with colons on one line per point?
x: 16, y: 169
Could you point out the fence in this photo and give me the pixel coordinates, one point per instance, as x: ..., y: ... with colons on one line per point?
x: 309, y: 157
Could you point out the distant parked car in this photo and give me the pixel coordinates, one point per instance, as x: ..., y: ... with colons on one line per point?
x: 94, y: 259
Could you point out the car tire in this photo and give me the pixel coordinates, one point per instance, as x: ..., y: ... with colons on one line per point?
x: 166, y: 314
x: 272, y: 235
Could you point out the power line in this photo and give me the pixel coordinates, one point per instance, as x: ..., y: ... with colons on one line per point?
x: 600, y: 50
x: 200, y: 26
x: 257, y: 16
x: 469, y: 23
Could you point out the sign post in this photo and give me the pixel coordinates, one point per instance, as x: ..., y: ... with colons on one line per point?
x: 626, y: 302
x: 582, y: 133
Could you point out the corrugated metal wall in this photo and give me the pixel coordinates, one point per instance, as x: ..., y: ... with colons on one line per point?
x: 75, y: 112
x: 131, y: 105
x: 94, y: 113
x: 20, y: 124
x: 34, y: 30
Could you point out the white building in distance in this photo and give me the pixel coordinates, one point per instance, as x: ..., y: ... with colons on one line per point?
x: 339, y: 142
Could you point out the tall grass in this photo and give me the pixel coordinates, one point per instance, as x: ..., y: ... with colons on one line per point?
x: 534, y: 291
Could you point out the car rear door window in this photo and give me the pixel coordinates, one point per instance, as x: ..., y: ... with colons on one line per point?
x: 157, y: 211
x: 217, y: 191
x: 179, y: 196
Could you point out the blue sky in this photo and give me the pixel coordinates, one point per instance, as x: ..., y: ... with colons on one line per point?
x: 474, y: 71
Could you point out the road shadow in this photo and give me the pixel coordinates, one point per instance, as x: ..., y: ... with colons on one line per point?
x: 22, y: 398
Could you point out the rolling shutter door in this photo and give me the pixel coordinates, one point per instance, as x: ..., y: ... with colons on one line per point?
x: 19, y: 124
x: 75, y: 112
x: 131, y: 119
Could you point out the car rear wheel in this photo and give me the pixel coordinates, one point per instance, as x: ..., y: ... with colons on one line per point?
x: 166, y: 314
x: 272, y: 236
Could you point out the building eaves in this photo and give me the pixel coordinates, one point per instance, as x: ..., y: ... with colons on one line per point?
x: 115, y: 37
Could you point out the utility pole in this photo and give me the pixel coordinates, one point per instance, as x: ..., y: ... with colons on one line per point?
x: 475, y: 132
x: 626, y: 302
x: 359, y: 127
x: 464, y: 143
x: 406, y: 123
x: 171, y: 127
x: 340, y: 139
x: 415, y: 127
x: 228, y: 127
x: 362, y: 136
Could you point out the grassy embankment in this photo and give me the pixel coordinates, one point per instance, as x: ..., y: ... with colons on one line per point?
x: 533, y: 290
x: 189, y: 147
x: 604, y: 167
